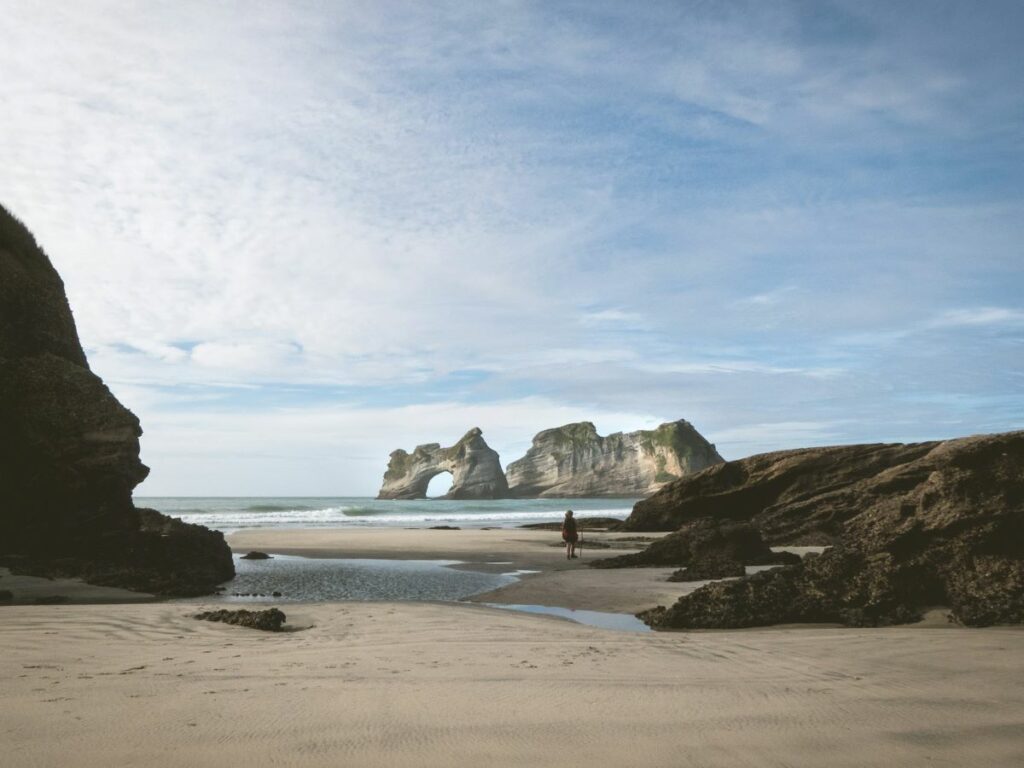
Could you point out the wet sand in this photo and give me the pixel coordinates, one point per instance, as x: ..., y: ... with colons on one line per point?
x: 554, y: 581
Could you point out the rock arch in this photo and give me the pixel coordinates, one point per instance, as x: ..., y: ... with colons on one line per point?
x: 474, y: 465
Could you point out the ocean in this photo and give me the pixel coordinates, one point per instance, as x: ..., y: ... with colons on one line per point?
x: 234, y: 513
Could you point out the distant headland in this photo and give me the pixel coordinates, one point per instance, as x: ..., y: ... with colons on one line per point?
x: 571, y: 461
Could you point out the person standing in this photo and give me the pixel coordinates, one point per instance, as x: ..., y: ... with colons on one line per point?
x: 569, y: 535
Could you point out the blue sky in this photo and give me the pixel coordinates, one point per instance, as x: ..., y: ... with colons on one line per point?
x: 297, y: 236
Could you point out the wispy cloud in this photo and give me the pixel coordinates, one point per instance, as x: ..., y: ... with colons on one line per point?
x: 965, y: 318
x: 739, y: 213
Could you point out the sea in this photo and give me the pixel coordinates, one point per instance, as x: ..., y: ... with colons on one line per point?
x: 229, y: 514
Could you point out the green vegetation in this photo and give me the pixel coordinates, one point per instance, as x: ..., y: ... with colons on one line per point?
x: 572, y: 435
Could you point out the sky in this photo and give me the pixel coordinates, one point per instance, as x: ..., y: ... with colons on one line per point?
x: 296, y: 236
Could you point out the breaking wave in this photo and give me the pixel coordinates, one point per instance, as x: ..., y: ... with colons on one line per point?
x: 228, y: 514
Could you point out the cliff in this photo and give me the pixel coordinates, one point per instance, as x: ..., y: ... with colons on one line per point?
x: 782, y: 491
x: 575, y: 461
x: 912, y: 526
x: 69, y: 451
x: 474, y: 466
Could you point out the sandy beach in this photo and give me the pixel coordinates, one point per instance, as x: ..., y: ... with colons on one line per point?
x: 423, y: 684
x: 400, y: 684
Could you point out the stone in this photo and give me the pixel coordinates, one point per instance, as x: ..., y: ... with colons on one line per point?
x: 710, y: 569
x: 703, y: 540
x: 933, y: 524
x: 575, y: 461
x: 69, y: 452
x: 254, y: 555
x: 474, y: 466
x: 841, y: 586
x: 269, y: 620
x: 6, y: 596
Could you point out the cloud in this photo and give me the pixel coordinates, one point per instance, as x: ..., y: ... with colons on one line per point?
x: 961, y: 318
x: 739, y: 213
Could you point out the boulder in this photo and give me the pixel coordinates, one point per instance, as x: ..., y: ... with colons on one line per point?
x: 575, y: 461
x: 270, y: 620
x: 254, y: 555
x: 703, y: 541
x: 69, y: 451
x: 474, y: 466
x: 838, y: 587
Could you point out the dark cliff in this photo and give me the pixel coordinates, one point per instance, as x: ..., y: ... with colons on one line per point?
x: 69, y: 451
x: 783, y: 491
x: 911, y: 526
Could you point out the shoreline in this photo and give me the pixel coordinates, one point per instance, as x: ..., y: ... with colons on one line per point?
x: 555, y: 582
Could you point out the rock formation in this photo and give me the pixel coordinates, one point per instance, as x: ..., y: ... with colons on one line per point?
x: 69, y: 451
x: 575, y: 461
x: 793, y: 496
x: 703, y: 542
x: 474, y: 466
x: 913, y: 526
x: 269, y: 620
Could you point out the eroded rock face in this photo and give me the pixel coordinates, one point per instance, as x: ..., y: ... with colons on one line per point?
x: 575, y: 461
x: 794, y: 497
x: 846, y: 587
x: 914, y: 526
x: 705, y: 542
x: 69, y: 451
x: 474, y: 466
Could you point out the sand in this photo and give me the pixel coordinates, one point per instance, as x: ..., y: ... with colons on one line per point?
x: 29, y: 589
x: 418, y: 684
x: 436, y: 685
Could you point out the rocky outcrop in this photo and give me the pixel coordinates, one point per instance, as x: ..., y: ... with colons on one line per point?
x: 913, y: 526
x: 846, y: 587
x: 69, y: 451
x: 795, y: 497
x: 270, y: 620
x: 700, y: 543
x: 474, y: 466
x: 575, y: 461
